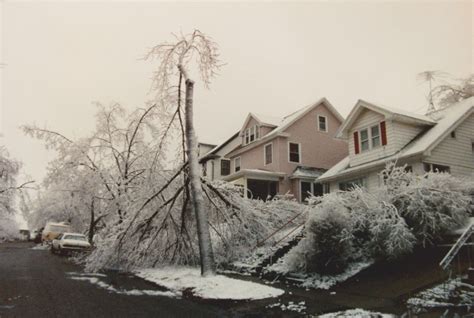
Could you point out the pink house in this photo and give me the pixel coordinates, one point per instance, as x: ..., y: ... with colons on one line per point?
x: 284, y: 155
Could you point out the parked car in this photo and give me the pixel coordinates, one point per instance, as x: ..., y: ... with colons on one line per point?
x: 52, y: 230
x: 70, y: 242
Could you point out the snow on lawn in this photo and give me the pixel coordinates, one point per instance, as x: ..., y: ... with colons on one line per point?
x: 451, y: 293
x: 94, y: 279
x: 359, y: 313
x: 318, y: 281
x: 178, y: 279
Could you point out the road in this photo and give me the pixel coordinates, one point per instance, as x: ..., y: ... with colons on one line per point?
x: 34, y: 283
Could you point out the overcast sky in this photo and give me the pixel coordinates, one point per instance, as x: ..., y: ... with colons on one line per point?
x: 61, y: 56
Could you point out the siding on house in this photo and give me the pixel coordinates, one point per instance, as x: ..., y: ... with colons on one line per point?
x: 213, y: 166
x: 457, y: 152
x: 317, y: 149
x: 398, y: 135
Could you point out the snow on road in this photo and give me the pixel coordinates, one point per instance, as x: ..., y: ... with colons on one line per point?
x: 178, y: 279
x: 95, y: 280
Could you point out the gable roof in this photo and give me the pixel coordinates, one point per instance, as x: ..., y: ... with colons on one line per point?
x: 289, y: 120
x: 212, y: 154
x: 446, y: 120
x: 388, y: 112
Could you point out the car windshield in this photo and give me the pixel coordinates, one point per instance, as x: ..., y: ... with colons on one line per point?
x: 75, y: 237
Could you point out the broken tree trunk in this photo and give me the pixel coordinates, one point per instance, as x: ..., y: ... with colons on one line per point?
x: 204, y: 236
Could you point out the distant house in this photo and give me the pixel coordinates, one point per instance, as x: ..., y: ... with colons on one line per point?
x: 215, y: 164
x: 441, y: 141
x: 270, y: 155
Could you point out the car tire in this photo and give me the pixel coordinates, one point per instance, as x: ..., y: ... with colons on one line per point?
x: 51, y: 249
x: 60, y: 251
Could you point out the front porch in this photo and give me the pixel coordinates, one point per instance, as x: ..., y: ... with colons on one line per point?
x: 258, y: 184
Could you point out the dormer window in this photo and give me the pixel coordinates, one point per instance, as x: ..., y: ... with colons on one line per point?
x: 375, y: 136
x: 251, y: 134
x: 370, y: 138
x: 364, y: 139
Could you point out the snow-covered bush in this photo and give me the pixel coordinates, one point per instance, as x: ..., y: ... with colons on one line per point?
x: 432, y: 204
x: 328, y: 240
x: 384, y: 224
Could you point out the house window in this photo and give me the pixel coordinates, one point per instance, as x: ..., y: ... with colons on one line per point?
x: 268, y: 153
x: 375, y: 136
x: 370, y: 138
x: 350, y: 185
x: 322, y: 123
x: 453, y: 134
x: 237, y: 164
x: 309, y: 188
x: 429, y: 167
x: 294, y: 152
x: 225, y: 167
x: 204, y: 169
x: 252, y: 134
x: 364, y: 139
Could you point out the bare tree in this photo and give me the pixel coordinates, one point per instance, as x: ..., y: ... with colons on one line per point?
x: 444, y: 90
x: 175, y: 59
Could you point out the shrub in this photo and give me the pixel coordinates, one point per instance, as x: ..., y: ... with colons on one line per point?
x: 328, y: 240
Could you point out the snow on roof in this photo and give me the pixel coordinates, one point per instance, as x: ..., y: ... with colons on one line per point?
x: 307, y: 172
x: 337, y: 168
x: 267, y: 119
x: 402, y: 112
x: 218, y: 147
x: 291, y: 118
x: 388, y: 112
x: 445, y: 120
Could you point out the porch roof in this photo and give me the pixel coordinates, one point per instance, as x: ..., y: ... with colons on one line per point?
x: 255, y: 173
x: 307, y: 173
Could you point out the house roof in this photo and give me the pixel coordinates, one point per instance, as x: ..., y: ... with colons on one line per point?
x: 256, y: 173
x: 212, y: 154
x: 445, y: 121
x: 307, y: 172
x: 388, y: 112
x: 289, y: 120
x: 267, y: 120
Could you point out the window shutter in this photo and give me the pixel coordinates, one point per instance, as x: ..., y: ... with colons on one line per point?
x: 356, y: 142
x: 383, y: 132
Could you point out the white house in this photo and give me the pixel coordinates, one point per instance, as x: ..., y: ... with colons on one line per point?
x: 441, y: 141
x: 215, y: 165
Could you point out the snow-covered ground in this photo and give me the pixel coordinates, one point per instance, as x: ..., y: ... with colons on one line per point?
x: 452, y: 293
x: 357, y: 313
x: 94, y: 278
x: 318, y: 281
x: 178, y: 279
x: 40, y: 247
x: 291, y: 306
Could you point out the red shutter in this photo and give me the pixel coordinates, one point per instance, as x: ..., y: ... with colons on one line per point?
x: 383, y: 131
x: 356, y: 142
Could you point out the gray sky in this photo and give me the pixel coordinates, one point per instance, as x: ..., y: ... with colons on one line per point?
x: 61, y: 56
